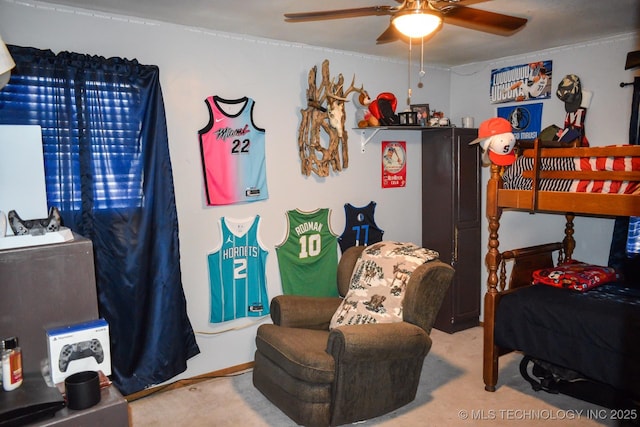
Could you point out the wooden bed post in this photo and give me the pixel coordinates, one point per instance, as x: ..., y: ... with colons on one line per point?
x: 535, y: 181
x: 569, y: 242
x: 492, y: 259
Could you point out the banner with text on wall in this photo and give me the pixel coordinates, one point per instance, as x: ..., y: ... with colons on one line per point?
x: 519, y: 83
x: 394, y: 164
x: 526, y: 119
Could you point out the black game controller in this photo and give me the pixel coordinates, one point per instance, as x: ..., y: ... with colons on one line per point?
x: 35, y: 227
x: 80, y: 350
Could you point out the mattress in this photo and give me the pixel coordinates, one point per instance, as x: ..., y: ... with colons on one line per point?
x: 594, y: 332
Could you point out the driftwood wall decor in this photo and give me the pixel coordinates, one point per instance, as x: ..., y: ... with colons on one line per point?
x: 324, y: 117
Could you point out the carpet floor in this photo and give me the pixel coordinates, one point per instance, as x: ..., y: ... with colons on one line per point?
x: 451, y: 393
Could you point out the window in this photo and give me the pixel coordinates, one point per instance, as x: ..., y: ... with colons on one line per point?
x: 90, y: 121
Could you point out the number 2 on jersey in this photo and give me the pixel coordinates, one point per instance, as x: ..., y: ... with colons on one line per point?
x: 310, y: 245
x: 240, y: 268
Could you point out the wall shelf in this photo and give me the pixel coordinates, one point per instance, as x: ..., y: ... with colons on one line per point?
x: 366, y: 134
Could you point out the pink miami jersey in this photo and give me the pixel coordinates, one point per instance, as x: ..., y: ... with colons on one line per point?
x: 233, y: 153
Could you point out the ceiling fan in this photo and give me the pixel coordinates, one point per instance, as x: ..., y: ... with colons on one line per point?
x: 420, y: 18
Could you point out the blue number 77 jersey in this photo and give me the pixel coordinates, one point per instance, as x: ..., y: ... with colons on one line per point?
x: 237, y: 273
x: 360, y: 228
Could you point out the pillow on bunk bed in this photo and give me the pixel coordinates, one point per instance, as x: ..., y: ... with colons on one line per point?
x: 575, y: 275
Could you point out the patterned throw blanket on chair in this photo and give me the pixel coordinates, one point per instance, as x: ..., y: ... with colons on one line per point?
x: 378, y: 283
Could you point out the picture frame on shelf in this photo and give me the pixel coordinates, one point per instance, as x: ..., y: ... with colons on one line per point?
x: 423, y: 113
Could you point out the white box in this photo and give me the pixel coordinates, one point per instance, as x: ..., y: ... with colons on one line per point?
x: 80, y: 347
x: 10, y: 242
x: 22, y: 177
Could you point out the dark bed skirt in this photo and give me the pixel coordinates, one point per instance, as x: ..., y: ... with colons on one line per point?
x: 596, y: 333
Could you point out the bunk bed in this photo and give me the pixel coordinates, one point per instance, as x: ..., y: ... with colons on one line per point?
x: 608, y: 316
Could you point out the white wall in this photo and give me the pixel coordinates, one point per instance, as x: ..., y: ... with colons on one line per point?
x: 195, y: 64
x: 600, y: 66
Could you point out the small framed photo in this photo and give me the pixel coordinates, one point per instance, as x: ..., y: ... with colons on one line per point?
x: 423, y: 113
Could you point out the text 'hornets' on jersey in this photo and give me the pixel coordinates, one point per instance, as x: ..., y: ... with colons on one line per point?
x: 232, y: 148
x: 242, y: 251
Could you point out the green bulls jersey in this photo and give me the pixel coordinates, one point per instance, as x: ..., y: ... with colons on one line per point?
x: 308, y: 256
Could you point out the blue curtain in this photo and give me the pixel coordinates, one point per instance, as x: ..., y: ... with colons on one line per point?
x: 633, y: 235
x: 108, y: 171
x: 634, y: 122
x: 624, y: 254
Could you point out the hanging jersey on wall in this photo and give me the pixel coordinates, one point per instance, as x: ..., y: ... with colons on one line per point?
x: 237, y: 272
x: 575, y: 120
x: 308, y: 256
x: 232, y: 148
x: 360, y: 228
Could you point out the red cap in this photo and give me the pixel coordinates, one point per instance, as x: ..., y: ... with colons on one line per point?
x: 502, y: 159
x: 491, y: 127
x: 499, y: 149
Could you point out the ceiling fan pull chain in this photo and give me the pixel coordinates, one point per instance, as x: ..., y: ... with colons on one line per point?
x: 409, y: 85
x: 421, y: 73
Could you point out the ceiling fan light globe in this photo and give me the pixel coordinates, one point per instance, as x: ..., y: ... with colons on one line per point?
x: 417, y: 24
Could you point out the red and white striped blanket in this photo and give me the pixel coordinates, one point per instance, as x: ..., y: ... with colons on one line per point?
x: 606, y: 164
x: 513, y: 179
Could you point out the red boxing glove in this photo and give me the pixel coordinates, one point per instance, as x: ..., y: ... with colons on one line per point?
x: 375, y: 108
x: 389, y: 97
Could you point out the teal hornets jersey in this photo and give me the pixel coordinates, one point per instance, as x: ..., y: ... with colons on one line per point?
x: 308, y: 256
x: 237, y: 274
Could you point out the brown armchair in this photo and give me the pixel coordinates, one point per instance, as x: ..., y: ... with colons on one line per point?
x: 351, y: 373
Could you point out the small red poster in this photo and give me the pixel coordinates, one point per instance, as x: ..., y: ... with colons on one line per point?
x: 394, y: 164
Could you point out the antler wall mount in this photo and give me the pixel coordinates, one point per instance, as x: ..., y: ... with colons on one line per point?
x: 324, y: 112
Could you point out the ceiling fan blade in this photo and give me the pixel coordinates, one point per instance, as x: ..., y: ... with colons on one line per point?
x: 341, y: 13
x: 389, y: 35
x: 483, y: 20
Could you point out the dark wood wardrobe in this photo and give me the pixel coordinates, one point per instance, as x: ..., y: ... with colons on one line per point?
x: 451, y: 218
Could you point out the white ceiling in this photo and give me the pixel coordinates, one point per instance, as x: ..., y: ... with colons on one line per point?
x: 552, y: 23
